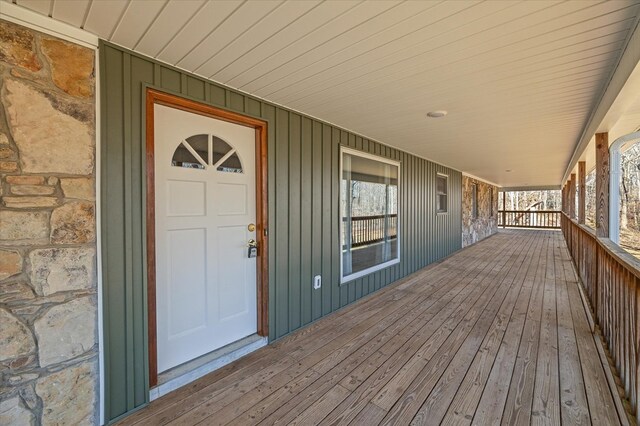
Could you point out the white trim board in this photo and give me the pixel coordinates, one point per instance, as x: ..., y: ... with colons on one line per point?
x: 480, y: 179
x: 28, y: 18
x: 98, y: 180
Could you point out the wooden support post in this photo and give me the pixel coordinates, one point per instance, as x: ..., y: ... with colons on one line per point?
x: 582, y: 184
x: 602, y: 185
x: 504, y: 209
x: 572, y: 196
x: 564, y: 198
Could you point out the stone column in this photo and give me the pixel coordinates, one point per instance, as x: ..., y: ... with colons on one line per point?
x: 48, y: 300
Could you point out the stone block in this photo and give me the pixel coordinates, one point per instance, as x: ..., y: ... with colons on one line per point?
x: 4, y: 140
x: 62, y: 269
x: 69, y: 396
x: 12, y: 412
x: 17, y: 46
x: 32, y: 190
x: 19, y: 228
x: 15, y: 291
x: 29, y: 202
x: 66, y: 331
x: 80, y: 188
x: 8, y: 167
x: 6, y: 152
x: 73, y: 223
x: 71, y: 67
x: 10, y: 263
x: 48, y: 139
x: 21, y: 379
x: 26, y: 180
x: 15, y: 338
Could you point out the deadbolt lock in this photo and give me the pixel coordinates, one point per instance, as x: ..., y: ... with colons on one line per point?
x: 251, y: 227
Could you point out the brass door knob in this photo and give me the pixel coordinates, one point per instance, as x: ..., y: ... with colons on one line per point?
x: 251, y: 227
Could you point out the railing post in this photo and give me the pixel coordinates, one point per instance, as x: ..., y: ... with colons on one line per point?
x: 602, y: 185
x: 572, y: 196
x: 582, y: 184
x: 504, y: 209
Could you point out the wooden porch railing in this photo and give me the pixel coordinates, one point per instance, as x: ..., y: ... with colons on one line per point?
x: 529, y: 219
x: 610, y: 278
x: 367, y: 230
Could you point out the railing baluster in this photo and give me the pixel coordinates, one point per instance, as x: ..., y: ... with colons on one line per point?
x: 543, y: 219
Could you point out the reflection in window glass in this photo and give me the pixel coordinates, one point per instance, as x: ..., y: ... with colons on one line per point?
x: 183, y: 158
x: 231, y: 164
x: 441, y: 193
x: 220, y: 149
x: 200, y: 144
x: 369, y: 213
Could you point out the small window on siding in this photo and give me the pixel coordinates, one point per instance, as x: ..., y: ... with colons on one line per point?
x: 474, y: 200
x: 442, y: 190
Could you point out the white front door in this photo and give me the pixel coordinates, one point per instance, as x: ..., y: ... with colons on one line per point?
x: 205, y: 200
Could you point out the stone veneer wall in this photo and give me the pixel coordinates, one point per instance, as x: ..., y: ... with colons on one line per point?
x: 48, y: 298
x: 486, y: 224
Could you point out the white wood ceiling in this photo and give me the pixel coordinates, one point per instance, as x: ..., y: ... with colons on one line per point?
x: 519, y: 78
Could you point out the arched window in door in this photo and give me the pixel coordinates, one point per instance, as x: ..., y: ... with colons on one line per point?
x: 203, y: 151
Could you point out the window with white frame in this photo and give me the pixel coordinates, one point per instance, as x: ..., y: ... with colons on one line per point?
x: 442, y: 190
x: 369, y: 213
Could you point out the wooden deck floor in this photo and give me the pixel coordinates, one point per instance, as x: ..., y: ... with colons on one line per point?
x: 495, y: 334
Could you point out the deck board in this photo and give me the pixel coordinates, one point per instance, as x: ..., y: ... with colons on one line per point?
x: 496, y: 333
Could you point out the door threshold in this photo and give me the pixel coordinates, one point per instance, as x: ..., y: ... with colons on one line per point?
x: 183, y: 374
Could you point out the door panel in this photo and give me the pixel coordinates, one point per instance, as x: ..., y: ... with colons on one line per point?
x: 206, y: 293
x: 185, y: 198
x: 186, y: 281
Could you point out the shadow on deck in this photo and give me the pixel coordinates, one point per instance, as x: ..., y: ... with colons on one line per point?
x: 496, y: 333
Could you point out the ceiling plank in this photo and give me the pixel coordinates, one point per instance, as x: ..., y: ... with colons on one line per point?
x: 203, y: 23
x: 72, y: 12
x: 350, y: 18
x: 237, y: 23
x: 41, y: 6
x: 257, y: 34
x: 136, y: 21
x: 104, y: 16
x: 171, y: 20
x: 316, y: 18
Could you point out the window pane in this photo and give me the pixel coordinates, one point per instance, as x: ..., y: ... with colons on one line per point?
x: 220, y: 149
x: 183, y: 158
x: 369, y: 209
x: 442, y: 203
x: 200, y: 144
x: 231, y: 165
x: 441, y: 183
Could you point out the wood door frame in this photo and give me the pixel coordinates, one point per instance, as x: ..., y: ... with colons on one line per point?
x: 153, y: 97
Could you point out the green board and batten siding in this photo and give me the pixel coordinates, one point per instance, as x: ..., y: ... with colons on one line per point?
x: 303, y: 162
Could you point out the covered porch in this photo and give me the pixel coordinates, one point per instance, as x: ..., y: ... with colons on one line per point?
x: 496, y: 333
